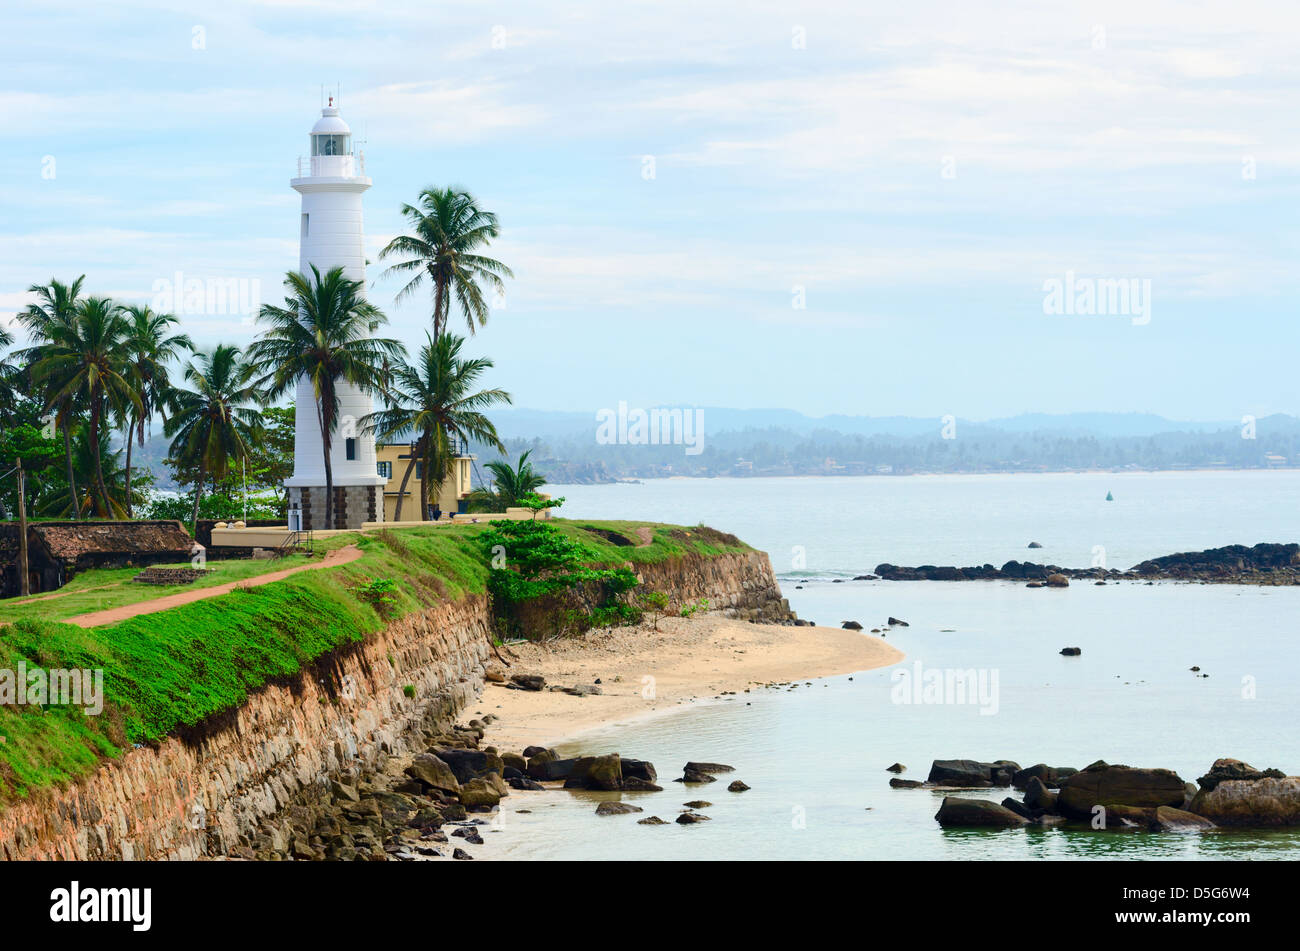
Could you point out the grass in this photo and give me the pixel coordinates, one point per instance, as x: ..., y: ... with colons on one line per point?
x: 173, y: 670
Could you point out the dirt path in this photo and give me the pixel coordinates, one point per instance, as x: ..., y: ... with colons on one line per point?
x: 646, y: 534
x: 339, y: 556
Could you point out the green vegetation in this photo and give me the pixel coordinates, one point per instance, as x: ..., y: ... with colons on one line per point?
x: 171, y: 671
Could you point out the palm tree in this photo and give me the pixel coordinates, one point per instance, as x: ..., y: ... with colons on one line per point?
x: 86, y: 358
x: 149, y: 349
x: 212, y: 424
x: 323, y: 332
x: 111, y: 461
x: 513, y: 483
x: 56, y: 308
x: 449, y: 228
x: 435, y: 398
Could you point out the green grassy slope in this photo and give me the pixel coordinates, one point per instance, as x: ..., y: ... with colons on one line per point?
x: 176, y: 668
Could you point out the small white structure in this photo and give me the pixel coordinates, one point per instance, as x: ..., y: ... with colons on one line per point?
x: 331, y: 182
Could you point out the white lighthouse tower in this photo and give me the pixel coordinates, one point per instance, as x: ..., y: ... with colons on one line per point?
x: 331, y: 235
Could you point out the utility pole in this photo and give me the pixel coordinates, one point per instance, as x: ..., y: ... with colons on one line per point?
x: 24, y: 583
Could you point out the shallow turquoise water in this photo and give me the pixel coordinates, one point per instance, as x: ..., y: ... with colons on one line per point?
x: 816, y: 755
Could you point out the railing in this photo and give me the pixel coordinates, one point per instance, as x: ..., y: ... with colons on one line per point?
x: 292, y: 542
x: 313, y: 164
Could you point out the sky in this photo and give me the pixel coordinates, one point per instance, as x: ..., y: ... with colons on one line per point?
x: 854, y: 208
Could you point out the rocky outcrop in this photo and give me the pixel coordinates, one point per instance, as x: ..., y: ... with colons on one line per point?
x: 1104, y: 785
x: 969, y: 773
x: 957, y: 811
x: 1265, y: 563
x: 1234, y: 793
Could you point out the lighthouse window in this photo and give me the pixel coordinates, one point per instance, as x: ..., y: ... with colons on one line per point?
x: 306, y: 221
x: 351, y: 447
x: 330, y: 145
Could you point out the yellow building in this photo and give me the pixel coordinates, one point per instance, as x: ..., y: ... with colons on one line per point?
x: 392, y: 460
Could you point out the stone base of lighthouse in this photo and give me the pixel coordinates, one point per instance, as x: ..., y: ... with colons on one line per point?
x: 354, y: 505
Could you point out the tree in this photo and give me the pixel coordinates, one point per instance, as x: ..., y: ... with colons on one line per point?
x: 212, y: 423
x: 86, y: 357
x: 149, y: 348
x: 449, y: 228
x: 26, y: 448
x: 324, y: 333
x: 54, y: 312
x: 514, y: 483
x: 435, y: 397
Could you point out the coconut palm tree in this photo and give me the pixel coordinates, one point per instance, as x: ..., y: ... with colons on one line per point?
x: 515, y: 482
x: 435, y: 397
x: 86, y: 358
x: 448, y: 230
x: 56, y: 308
x: 212, y: 424
x: 150, y: 348
x: 324, y: 333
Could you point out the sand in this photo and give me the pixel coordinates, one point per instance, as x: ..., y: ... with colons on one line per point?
x: 645, y: 673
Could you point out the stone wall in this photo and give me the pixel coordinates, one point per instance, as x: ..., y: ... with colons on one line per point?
x: 354, y: 505
x: 212, y: 790
x: 203, y: 794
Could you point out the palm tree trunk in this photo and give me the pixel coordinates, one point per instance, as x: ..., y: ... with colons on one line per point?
x: 325, y: 428
x: 99, y: 463
x: 130, y: 438
x: 198, y: 494
x: 439, y: 292
x: 401, y: 489
x: 424, y: 476
x: 67, y: 454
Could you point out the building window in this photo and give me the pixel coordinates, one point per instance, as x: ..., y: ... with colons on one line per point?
x: 306, y: 223
x: 385, y: 469
x: 419, y: 470
x: 350, y: 447
x: 330, y: 144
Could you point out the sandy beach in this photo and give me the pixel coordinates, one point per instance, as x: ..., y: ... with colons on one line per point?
x: 644, y: 673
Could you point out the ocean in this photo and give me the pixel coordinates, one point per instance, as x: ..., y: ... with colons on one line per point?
x: 815, y: 756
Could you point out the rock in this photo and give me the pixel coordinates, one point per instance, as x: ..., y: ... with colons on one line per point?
x: 1255, y: 802
x: 616, y: 809
x: 1035, y: 584
x: 514, y: 761
x: 1020, y: 809
x: 697, y: 804
x: 1106, y: 785
x: 651, y: 821
x: 1035, y: 545
x: 494, y: 674
x: 1071, y: 651
x: 959, y: 811
x: 737, y: 786
x: 1169, y: 819
x: 896, y: 768
x: 636, y: 784
x: 531, y: 751
x: 1038, y: 796
x: 1050, y: 775
x: 689, y: 818
x: 528, y: 681
x: 1121, y: 818
x: 1235, y: 769
x: 479, y: 794
x: 639, y: 768
x: 343, y: 792
x: 1057, y: 580
x: 523, y: 782
x: 895, y: 622
x: 433, y: 773
x: 470, y: 764
x: 695, y: 776
x: 461, y: 854
x: 709, y: 768
x: 582, y: 690
x: 897, y: 783
x: 548, y: 767
x: 595, y: 772
x: 851, y: 626
x: 960, y: 772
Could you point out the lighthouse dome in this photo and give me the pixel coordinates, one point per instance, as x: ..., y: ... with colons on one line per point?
x: 330, y: 123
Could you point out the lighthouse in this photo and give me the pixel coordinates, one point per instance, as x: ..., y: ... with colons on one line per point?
x: 331, y: 181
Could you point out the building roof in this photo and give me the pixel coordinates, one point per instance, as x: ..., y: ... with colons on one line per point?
x: 69, y: 541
